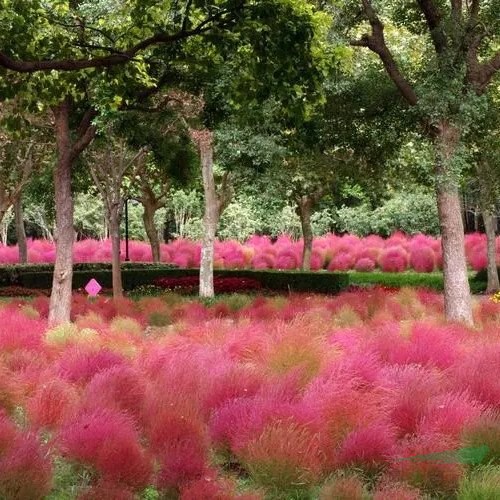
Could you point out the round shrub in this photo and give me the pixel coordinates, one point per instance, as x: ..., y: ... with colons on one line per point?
x: 287, y: 258
x: 422, y: 259
x: 365, y: 265
x: 393, y: 260
x: 263, y: 260
x: 342, y: 262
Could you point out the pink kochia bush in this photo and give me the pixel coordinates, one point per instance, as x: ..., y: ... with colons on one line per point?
x: 355, y: 395
x: 397, y: 253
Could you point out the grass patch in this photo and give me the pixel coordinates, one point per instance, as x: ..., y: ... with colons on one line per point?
x: 409, y: 279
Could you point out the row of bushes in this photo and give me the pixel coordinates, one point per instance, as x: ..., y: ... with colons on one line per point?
x: 11, y: 275
x: 226, y: 280
x: 297, y: 281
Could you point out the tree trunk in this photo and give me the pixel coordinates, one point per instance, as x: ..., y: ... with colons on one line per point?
x: 457, y: 299
x: 60, y: 298
x: 487, y: 199
x: 151, y: 232
x: 210, y: 218
x: 304, y: 205
x: 490, y: 223
x: 20, y: 231
x: 3, y: 213
x: 114, y: 231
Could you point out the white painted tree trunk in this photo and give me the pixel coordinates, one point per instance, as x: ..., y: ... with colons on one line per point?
x: 305, y: 208
x: 20, y: 231
x: 116, y: 271
x: 148, y: 218
x: 490, y: 223
x: 210, y: 218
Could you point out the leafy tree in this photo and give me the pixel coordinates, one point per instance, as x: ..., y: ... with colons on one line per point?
x: 23, y: 153
x: 484, y: 141
x: 456, y: 59
x: 108, y: 165
x: 170, y: 161
x: 412, y: 213
x: 38, y: 37
x: 157, y: 40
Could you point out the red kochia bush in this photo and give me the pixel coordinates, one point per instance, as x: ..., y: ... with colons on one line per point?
x: 18, y: 331
x: 393, y: 260
x: 119, y: 387
x: 478, y: 259
x: 396, y: 491
x: 107, y: 490
x: 25, y: 469
x: 429, y: 473
x: 478, y: 373
x: 422, y: 259
x: 177, y: 439
x: 369, y: 447
x: 343, y: 488
x: 51, y: 403
x: 80, y: 365
x: 364, y: 264
x: 107, y: 440
x: 287, y: 259
x: 342, y: 262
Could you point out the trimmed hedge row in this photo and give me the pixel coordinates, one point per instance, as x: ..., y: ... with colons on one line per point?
x: 138, y: 274
x: 13, y: 274
x: 411, y: 279
x: 482, y: 275
x: 398, y: 280
x: 135, y: 276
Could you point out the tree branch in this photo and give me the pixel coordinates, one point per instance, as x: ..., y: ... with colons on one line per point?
x: 83, y: 141
x: 185, y: 19
x: 433, y: 18
x: 115, y: 59
x: 474, y: 7
x: 479, y: 75
x: 91, y: 46
x: 456, y: 10
x: 377, y: 44
x: 86, y: 121
x: 54, y: 20
x: 141, y: 154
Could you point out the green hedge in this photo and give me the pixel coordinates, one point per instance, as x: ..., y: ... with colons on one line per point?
x: 397, y: 280
x: 297, y: 281
x: 132, y: 278
x: 137, y: 274
x: 18, y: 274
x: 482, y: 275
x: 411, y: 279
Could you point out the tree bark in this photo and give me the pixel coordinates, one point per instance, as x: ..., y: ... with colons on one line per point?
x: 457, y: 299
x: 114, y: 231
x: 304, y: 205
x: 3, y: 213
x: 210, y: 218
x: 60, y: 298
x: 20, y: 231
x: 488, y: 194
x: 67, y: 152
x: 151, y: 232
x: 493, y: 284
